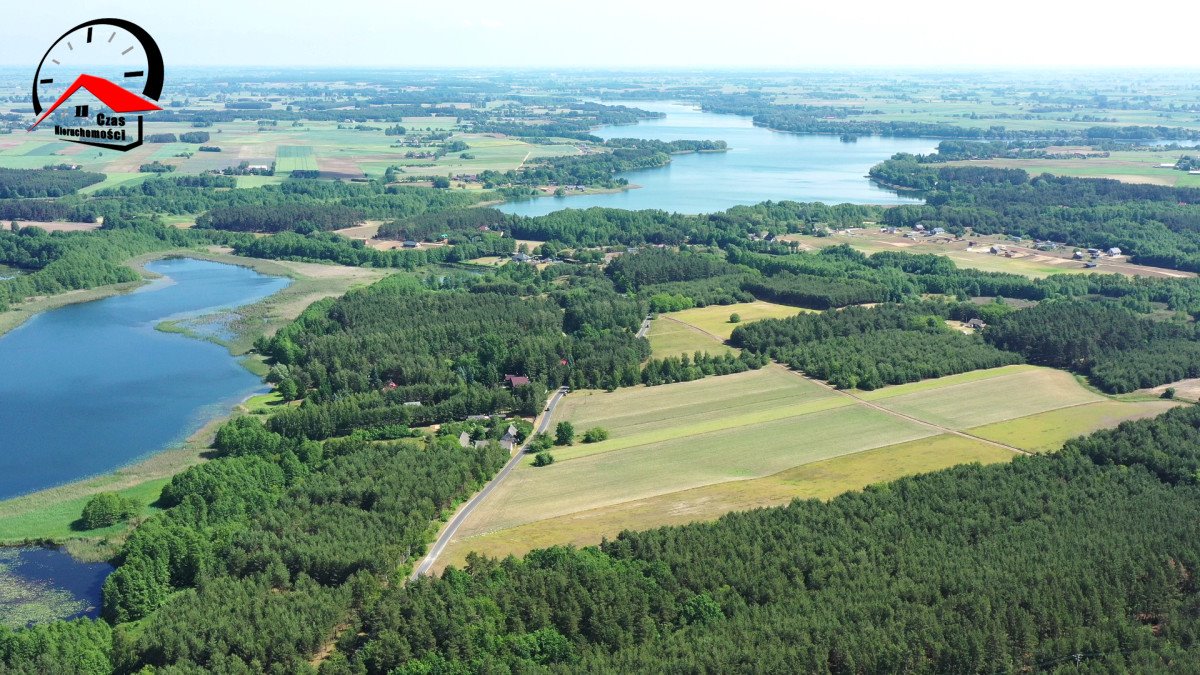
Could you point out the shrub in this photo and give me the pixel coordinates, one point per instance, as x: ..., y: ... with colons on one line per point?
x: 108, y: 508
x: 595, y: 435
x: 543, y: 459
x: 564, y: 434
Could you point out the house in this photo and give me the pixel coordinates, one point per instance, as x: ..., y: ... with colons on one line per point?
x: 919, y: 228
x: 939, y: 230
x: 1089, y: 265
x: 478, y: 418
x: 975, y: 324
x: 1078, y: 255
x: 464, y: 439
x: 520, y: 257
x: 1114, y: 251
x: 996, y: 250
x: 510, y: 435
x: 516, y: 380
x: 409, y: 243
x: 413, y: 404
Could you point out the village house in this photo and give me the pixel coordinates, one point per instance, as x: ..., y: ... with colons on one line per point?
x: 464, y: 439
x: 514, y: 381
x: 975, y: 324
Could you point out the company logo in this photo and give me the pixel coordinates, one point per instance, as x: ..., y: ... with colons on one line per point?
x: 111, y: 72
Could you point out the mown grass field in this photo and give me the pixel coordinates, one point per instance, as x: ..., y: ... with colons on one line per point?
x: 714, y: 319
x: 703, y: 329
x: 673, y: 338
x: 693, y: 451
x: 817, y: 480
x: 1046, y: 432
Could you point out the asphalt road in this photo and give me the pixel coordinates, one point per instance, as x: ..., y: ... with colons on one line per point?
x: 465, y: 512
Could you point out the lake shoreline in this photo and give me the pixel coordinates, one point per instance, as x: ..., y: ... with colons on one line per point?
x: 309, y: 282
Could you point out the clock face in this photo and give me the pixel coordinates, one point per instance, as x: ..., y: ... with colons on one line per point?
x: 113, y: 49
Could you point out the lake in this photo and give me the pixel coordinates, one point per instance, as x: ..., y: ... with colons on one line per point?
x: 88, y: 388
x: 760, y: 165
x: 43, y: 584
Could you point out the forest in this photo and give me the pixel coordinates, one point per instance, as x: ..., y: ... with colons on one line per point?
x: 1118, y: 350
x: 928, y: 574
x: 49, y: 182
x: 867, y: 348
x: 598, y: 169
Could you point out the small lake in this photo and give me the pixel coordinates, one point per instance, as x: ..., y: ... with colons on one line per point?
x: 43, y: 584
x: 88, y: 388
x: 760, y: 165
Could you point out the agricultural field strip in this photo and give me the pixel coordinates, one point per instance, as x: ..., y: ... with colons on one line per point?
x: 820, y: 480
x: 620, y: 476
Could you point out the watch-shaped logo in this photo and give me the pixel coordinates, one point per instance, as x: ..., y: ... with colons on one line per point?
x: 99, y: 78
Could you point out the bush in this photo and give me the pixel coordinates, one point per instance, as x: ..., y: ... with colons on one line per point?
x: 735, y: 318
x: 564, y: 434
x: 1169, y: 393
x: 543, y: 459
x: 108, y: 508
x: 595, y: 435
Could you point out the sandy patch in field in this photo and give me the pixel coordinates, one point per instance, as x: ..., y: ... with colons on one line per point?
x: 1187, y: 390
x: 339, y: 167
x: 367, y: 230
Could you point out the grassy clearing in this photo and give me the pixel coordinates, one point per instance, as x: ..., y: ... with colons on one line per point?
x: 817, y: 480
x: 714, y: 319
x: 972, y: 404
x: 673, y: 338
x: 54, y: 520
x: 1046, y: 432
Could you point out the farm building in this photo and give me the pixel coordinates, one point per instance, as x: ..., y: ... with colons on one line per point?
x: 1114, y: 251
x: 464, y: 439
x: 976, y: 324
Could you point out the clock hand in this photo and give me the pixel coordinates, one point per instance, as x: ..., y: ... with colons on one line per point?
x: 114, y: 96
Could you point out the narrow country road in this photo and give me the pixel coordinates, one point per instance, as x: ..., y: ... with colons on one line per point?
x: 459, y: 518
x: 645, y: 327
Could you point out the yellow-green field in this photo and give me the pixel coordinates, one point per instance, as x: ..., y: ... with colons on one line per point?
x: 817, y: 480
x: 1046, y: 432
x: 1131, y: 167
x: 714, y: 319
x: 701, y: 329
x: 695, y: 450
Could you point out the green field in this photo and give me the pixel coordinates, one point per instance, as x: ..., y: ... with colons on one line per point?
x: 703, y: 329
x: 669, y: 337
x: 694, y: 450
x: 289, y: 158
x: 817, y: 480
x: 714, y: 319
x: 1046, y: 432
x: 53, y: 519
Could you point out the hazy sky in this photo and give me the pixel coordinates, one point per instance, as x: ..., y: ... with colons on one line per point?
x: 630, y: 33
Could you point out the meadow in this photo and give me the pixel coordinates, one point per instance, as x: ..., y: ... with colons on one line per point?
x: 693, y: 451
x: 703, y: 329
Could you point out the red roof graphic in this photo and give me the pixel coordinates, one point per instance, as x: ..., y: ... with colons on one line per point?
x: 114, y: 96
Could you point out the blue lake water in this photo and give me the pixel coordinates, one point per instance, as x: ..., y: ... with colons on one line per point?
x: 42, y: 584
x: 760, y: 165
x: 88, y: 388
